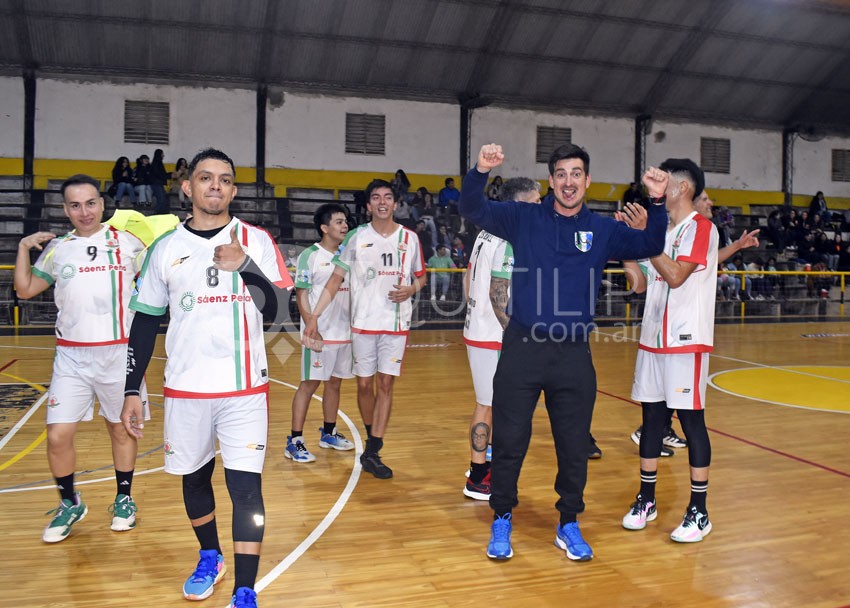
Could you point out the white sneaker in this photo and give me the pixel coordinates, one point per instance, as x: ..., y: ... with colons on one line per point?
x: 694, y: 527
x: 297, y: 451
x: 641, y: 512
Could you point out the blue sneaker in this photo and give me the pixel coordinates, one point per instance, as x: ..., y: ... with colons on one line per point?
x: 334, y: 440
x: 500, y: 538
x: 245, y: 598
x: 569, y: 539
x: 297, y: 451
x: 209, y: 571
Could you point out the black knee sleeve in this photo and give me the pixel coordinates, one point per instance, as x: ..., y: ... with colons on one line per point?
x: 699, y: 445
x: 654, y: 419
x: 198, y: 492
x: 249, y: 513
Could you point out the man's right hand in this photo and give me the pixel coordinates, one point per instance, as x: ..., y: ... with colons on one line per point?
x: 35, y: 240
x: 490, y: 157
x: 655, y: 181
x: 133, y: 416
x: 310, y: 337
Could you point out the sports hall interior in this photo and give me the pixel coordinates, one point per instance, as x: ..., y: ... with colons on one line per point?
x: 313, y: 99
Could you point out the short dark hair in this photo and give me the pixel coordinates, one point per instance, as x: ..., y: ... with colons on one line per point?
x: 325, y: 213
x: 449, y: 179
x: 79, y: 179
x: 569, y: 151
x: 380, y: 183
x: 215, y: 155
x: 513, y: 187
x: 689, y: 167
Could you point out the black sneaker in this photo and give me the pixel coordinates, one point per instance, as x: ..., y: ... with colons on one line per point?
x: 371, y: 463
x: 593, y: 451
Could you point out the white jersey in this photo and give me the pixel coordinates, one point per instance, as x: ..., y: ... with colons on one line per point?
x: 491, y: 257
x: 315, y: 267
x: 376, y: 264
x: 94, y: 281
x: 215, y: 340
x: 681, y: 320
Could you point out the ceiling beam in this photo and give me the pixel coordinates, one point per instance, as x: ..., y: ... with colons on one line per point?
x: 264, y: 54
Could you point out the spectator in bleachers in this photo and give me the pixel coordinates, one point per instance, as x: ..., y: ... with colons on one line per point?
x: 448, y: 198
x: 775, y: 230
x: 724, y: 221
x: 494, y: 190
x: 401, y: 184
x: 818, y: 206
x: 775, y: 280
x: 291, y: 259
x: 424, y: 240
x: 844, y: 258
x: 459, y: 252
x: 423, y: 210
x: 444, y: 236
x: 122, y: 181
x: 158, y: 180
x: 402, y: 213
x: 440, y: 281
x: 762, y: 290
x: 830, y: 249
x: 178, y: 176
x: 634, y: 194
x: 142, y: 180
x: 737, y: 263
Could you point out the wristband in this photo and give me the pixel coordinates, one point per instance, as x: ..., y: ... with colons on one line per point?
x: 658, y: 201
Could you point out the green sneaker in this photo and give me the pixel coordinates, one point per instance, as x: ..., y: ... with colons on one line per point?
x: 64, y: 516
x: 123, y: 513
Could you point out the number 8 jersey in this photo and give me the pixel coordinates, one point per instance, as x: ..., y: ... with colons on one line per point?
x: 214, y: 342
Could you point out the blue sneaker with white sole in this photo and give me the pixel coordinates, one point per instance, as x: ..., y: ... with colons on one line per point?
x: 570, y: 540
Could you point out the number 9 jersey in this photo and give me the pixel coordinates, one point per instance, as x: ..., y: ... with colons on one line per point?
x: 215, y: 343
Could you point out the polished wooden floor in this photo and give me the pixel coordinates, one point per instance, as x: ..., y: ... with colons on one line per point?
x: 779, y: 496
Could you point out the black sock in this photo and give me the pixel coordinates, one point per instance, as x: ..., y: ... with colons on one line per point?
x: 297, y: 433
x: 699, y: 489
x: 500, y: 514
x: 124, y: 481
x: 568, y: 518
x: 246, y: 566
x: 329, y: 428
x: 208, y: 536
x: 647, y: 484
x: 66, y: 487
x: 368, y: 430
x: 374, y: 444
x: 477, y: 472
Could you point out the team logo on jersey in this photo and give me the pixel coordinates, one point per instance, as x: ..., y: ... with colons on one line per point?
x: 53, y: 401
x: 402, y: 246
x: 112, y: 243
x: 304, y: 277
x: 317, y: 364
x: 370, y: 273
x: 508, y: 266
x: 68, y: 271
x: 685, y: 337
x: 187, y: 301
x: 167, y: 448
x: 179, y: 261
x: 584, y: 240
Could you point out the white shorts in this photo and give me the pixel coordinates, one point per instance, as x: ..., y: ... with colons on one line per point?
x: 378, y: 352
x: 191, y: 426
x: 678, y: 379
x: 334, y: 360
x: 482, y: 364
x: 81, y: 373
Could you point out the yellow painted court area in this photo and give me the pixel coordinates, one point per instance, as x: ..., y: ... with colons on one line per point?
x: 815, y: 387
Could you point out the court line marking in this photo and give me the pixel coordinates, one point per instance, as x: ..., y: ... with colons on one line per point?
x: 331, y: 515
x: 8, y: 436
x: 746, y: 441
x: 779, y: 403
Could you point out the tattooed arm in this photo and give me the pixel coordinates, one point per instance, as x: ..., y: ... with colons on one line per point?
x: 499, y: 299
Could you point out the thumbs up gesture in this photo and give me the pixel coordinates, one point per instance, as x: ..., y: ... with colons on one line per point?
x: 231, y: 256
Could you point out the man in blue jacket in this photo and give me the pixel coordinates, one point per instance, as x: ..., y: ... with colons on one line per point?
x: 560, y: 251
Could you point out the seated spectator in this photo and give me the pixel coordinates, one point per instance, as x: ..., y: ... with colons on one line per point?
x: 775, y: 230
x: 448, y: 198
x: 818, y: 206
x: 634, y: 194
x: 178, y: 176
x: 122, y: 181
x: 775, y: 280
x: 401, y: 184
x: 762, y: 290
x: 440, y: 281
x: 424, y: 239
x: 459, y: 252
x: 737, y: 263
x: 444, y: 236
x: 494, y: 190
x: 142, y: 180
x: 725, y: 222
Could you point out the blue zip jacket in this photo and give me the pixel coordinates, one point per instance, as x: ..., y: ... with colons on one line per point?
x: 558, y: 260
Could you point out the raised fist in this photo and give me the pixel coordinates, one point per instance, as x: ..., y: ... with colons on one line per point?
x: 490, y: 157
x: 655, y: 181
